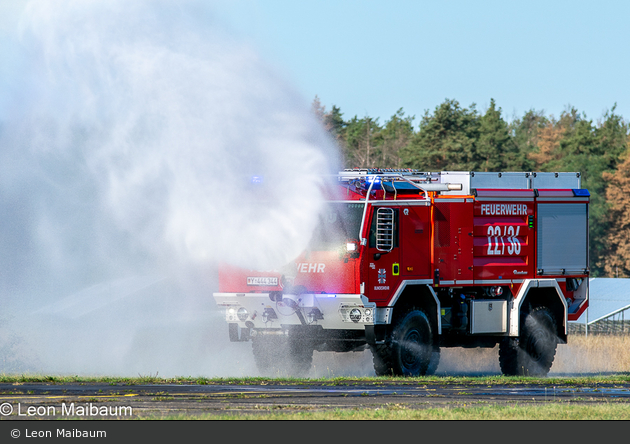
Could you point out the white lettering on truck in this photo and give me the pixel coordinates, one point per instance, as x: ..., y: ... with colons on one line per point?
x: 498, y: 246
x: 305, y: 267
x: 503, y: 209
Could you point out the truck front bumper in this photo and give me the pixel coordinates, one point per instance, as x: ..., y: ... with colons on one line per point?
x: 257, y: 311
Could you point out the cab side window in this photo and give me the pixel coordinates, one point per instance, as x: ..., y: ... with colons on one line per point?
x: 384, y: 229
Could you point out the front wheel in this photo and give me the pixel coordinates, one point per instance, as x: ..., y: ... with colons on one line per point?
x: 410, y: 350
x: 533, y: 352
x: 435, y: 361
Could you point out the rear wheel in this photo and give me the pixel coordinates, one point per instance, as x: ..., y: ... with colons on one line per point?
x: 533, y: 352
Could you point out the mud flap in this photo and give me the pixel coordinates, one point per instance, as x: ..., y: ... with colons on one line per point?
x: 375, y: 334
x: 238, y: 334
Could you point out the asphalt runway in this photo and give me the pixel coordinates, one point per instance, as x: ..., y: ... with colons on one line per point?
x: 24, y: 401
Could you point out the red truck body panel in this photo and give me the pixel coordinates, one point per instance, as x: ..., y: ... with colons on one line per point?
x: 484, y: 238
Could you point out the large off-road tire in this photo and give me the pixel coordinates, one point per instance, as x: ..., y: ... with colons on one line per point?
x: 435, y: 361
x: 300, y: 357
x: 269, y: 354
x: 381, y: 358
x: 533, y: 352
x: 409, y: 350
x: 282, y: 356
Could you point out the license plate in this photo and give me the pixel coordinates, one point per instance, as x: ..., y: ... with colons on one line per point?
x: 259, y: 280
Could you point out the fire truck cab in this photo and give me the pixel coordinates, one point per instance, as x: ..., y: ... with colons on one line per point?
x: 406, y: 262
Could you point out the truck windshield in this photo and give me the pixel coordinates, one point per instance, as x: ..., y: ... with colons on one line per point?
x: 338, y: 223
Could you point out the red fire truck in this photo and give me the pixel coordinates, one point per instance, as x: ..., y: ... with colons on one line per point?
x: 406, y: 262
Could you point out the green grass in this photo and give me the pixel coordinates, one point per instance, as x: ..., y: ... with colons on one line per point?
x: 547, y: 411
x: 620, y: 378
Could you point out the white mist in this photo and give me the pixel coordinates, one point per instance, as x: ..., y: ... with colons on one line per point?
x: 129, y: 136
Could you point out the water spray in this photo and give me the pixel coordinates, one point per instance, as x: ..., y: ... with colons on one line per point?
x: 129, y: 134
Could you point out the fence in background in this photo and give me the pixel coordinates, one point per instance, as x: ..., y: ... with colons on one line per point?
x: 616, y: 323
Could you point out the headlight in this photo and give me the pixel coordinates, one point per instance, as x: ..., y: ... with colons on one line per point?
x: 242, y: 314
x: 355, y: 315
x: 230, y: 314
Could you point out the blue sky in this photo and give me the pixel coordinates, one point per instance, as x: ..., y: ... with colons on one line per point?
x: 373, y: 57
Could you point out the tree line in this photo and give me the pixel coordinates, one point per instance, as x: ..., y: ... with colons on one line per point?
x: 454, y: 138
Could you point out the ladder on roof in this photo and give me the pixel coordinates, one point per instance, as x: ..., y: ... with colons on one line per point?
x: 463, y: 182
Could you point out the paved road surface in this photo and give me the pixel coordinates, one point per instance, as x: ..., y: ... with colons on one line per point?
x: 49, y: 401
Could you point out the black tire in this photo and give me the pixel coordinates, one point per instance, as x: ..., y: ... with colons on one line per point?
x: 435, y: 362
x: 300, y: 357
x: 280, y: 356
x: 381, y: 358
x: 533, y: 352
x: 269, y: 354
x: 410, y: 349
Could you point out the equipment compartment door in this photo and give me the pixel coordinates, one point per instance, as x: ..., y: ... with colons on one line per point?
x: 453, y: 241
x: 415, y: 231
x: 504, y: 231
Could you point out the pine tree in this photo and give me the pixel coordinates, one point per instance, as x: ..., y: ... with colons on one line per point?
x: 446, y: 140
x: 318, y: 109
x: 495, y: 149
x: 394, y: 136
x: 616, y: 260
x: 609, y: 180
x: 331, y: 121
x: 525, y: 133
x: 360, y: 142
x: 547, y: 145
x: 612, y: 137
x: 334, y: 123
